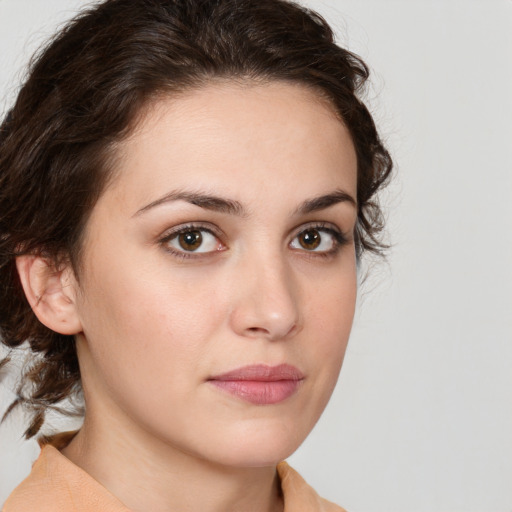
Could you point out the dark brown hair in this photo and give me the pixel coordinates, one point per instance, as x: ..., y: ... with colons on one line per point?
x: 83, y: 94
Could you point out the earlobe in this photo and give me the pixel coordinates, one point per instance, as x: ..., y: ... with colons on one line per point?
x: 50, y: 292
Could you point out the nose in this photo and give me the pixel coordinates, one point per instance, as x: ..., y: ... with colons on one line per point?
x: 267, y: 300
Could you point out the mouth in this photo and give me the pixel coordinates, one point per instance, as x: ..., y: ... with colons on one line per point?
x: 260, y: 384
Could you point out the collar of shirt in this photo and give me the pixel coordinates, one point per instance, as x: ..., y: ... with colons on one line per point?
x: 55, y: 483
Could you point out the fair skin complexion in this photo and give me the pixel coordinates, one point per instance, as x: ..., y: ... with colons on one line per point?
x: 263, y: 274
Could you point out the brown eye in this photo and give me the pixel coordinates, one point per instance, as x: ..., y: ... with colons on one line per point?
x: 310, y: 239
x: 190, y: 240
x: 193, y: 240
x: 318, y: 240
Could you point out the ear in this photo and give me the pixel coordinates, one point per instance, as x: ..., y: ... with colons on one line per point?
x: 51, y: 292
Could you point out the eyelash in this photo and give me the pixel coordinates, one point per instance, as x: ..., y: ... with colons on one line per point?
x: 339, y: 238
x: 171, y: 235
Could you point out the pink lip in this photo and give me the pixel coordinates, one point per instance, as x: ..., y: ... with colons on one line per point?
x: 260, y: 384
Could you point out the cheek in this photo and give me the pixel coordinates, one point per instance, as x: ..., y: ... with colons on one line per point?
x: 146, y: 327
x: 330, y: 305
x: 329, y: 315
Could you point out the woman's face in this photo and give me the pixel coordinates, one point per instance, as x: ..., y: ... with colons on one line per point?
x: 219, y: 274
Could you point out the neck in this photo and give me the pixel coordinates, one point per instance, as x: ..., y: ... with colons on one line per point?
x: 149, y: 475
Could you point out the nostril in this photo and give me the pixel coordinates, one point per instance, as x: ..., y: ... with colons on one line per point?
x: 258, y: 330
x: 271, y: 334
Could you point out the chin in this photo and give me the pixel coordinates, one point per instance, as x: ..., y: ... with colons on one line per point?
x: 258, y: 445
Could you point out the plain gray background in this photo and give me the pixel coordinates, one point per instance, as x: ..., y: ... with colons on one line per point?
x: 422, y: 417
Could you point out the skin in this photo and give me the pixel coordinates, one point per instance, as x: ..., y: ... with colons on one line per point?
x: 152, y: 325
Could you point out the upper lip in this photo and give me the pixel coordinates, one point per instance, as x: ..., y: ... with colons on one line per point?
x: 262, y: 373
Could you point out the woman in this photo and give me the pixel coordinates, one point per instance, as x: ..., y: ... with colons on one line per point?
x: 186, y: 189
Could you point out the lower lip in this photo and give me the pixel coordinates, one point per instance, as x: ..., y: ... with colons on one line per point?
x: 259, y: 392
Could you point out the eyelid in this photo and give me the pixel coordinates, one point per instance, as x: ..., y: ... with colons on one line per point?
x: 320, y: 225
x: 175, y: 231
x: 191, y: 226
x: 340, y: 237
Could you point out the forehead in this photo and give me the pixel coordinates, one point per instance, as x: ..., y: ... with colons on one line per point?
x: 237, y: 138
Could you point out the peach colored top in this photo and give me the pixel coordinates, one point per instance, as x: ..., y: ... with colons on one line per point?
x: 55, y: 484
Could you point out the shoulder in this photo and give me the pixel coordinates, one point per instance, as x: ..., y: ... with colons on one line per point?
x: 299, y: 496
x: 56, y: 484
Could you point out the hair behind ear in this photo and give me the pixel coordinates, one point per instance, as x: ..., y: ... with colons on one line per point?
x: 54, y: 375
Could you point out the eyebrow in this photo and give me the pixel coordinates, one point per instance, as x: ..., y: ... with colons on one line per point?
x: 206, y: 201
x: 232, y: 207
x: 325, y: 201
